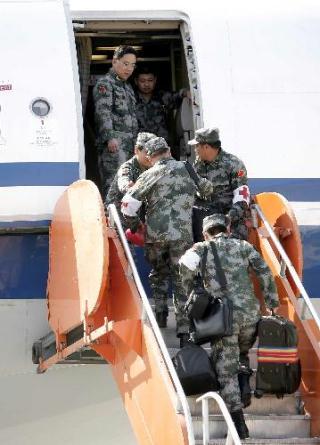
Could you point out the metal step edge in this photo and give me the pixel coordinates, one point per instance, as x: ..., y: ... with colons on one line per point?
x: 269, y: 404
x: 267, y: 427
x: 280, y: 441
x: 280, y: 417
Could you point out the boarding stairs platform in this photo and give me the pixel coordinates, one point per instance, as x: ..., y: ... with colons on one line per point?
x: 96, y: 302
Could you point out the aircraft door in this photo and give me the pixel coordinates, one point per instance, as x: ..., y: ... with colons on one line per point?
x: 41, y: 148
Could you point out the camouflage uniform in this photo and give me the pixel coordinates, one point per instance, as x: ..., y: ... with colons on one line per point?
x: 168, y: 192
x: 152, y: 114
x: 115, y: 115
x: 127, y: 174
x: 227, y: 174
x: 129, y: 171
x: 236, y: 257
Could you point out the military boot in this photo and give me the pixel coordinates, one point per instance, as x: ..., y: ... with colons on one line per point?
x: 161, y: 318
x: 244, y: 384
x: 184, y: 339
x: 240, y: 424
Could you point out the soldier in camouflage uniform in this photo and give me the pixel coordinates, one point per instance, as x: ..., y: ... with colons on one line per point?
x: 228, y: 175
x: 237, y: 257
x: 153, y: 106
x: 129, y: 172
x: 168, y: 191
x: 115, y: 115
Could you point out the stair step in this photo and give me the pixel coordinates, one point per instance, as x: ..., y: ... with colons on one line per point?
x: 268, y: 404
x: 284, y: 441
x: 268, y: 427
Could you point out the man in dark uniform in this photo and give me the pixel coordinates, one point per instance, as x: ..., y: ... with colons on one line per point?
x: 115, y: 115
x: 154, y: 105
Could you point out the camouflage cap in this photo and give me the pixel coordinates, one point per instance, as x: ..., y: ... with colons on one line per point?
x: 205, y: 136
x: 142, y: 138
x: 217, y: 219
x: 156, y: 144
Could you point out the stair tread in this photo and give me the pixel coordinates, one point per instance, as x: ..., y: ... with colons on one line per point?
x: 253, y: 440
x: 248, y: 416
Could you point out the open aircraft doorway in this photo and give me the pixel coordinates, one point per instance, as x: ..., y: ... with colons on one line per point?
x: 165, y: 47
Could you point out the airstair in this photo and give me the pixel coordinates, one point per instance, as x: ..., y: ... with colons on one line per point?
x: 96, y: 302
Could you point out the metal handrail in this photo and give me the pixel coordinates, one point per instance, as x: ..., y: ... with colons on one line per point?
x: 233, y: 437
x: 114, y: 218
x: 289, y: 265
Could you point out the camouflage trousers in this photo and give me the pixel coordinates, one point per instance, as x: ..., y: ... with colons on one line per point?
x: 163, y: 258
x: 229, y: 352
x: 109, y: 163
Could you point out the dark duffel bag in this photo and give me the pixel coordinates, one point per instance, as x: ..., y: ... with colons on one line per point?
x: 279, y: 368
x: 195, y: 370
x: 216, y: 323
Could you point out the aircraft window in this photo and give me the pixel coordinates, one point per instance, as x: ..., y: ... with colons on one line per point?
x: 40, y: 107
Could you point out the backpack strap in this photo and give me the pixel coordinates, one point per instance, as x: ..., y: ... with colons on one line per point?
x: 204, y: 262
x: 192, y: 173
x: 221, y: 277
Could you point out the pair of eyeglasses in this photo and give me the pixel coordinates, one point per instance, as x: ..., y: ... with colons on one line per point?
x: 128, y: 64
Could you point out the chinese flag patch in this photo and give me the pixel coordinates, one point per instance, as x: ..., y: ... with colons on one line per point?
x: 102, y: 89
x: 240, y: 173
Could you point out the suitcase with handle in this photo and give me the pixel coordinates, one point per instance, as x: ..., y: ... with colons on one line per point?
x: 279, y: 369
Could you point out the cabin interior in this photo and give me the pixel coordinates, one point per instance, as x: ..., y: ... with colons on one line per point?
x: 165, y: 46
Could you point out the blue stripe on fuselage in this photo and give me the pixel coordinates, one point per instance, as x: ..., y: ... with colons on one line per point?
x: 24, y: 262
x: 41, y: 224
x: 293, y: 189
x: 38, y: 173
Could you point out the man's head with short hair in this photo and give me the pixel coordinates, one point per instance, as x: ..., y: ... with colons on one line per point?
x: 145, y: 80
x: 124, y: 61
x: 122, y: 50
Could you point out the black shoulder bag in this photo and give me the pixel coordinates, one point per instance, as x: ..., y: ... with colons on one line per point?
x: 217, y: 320
x: 199, y: 298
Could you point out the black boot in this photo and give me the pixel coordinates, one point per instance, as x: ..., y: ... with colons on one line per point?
x: 240, y: 424
x: 184, y: 339
x: 244, y: 384
x: 161, y: 318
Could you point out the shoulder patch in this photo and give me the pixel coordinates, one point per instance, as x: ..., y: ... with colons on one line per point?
x: 240, y: 173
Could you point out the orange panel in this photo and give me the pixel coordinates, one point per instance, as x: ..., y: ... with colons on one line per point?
x: 78, y: 256
x: 84, y: 287
x: 280, y: 216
